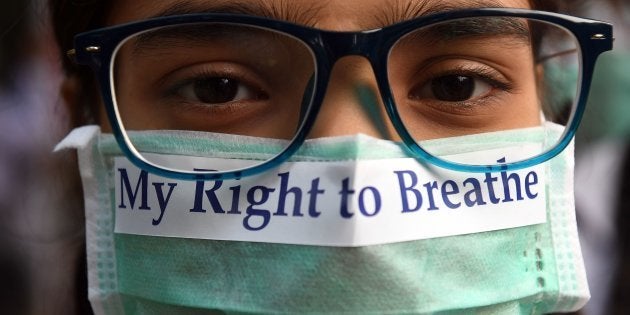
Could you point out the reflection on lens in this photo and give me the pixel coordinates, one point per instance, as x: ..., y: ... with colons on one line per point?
x: 484, y: 75
x: 223, y: 79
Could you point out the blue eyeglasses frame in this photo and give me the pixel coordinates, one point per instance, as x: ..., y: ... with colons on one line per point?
x: 96, y: 48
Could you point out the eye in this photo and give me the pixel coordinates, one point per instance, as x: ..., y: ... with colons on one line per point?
x: 218, y: 90
x: 452, y: 88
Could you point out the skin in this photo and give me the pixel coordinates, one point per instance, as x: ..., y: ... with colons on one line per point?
x: 352, y: 103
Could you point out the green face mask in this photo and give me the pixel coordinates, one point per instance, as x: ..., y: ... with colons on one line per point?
x: 368, y: 263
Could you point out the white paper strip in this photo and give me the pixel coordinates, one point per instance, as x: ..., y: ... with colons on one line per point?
x: 345, y: 203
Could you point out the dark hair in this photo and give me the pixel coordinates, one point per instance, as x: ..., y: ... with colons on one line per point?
x: 14, y: 32
x: 71, y: 17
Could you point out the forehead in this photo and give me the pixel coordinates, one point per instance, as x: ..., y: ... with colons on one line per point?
x: 346, y: 15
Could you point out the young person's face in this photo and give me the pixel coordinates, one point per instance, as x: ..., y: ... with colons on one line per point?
x: 252, y: 82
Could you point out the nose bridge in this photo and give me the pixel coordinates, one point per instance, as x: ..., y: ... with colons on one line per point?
x: 352, y: 103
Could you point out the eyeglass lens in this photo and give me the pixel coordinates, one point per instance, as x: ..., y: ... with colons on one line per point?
x: 483, y: 75
x: 456, y: 78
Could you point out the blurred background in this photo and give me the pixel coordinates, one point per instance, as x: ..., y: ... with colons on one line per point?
x: 41, y: 234
x: 602, y: 176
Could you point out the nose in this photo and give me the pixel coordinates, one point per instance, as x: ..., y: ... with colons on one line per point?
x: 352, y: 103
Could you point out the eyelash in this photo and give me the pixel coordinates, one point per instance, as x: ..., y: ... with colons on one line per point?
x: 497, y: 83
x: 173, y: 90
x: 479, y: 72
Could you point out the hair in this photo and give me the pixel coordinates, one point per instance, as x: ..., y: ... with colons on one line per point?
x: 14, y: 33
x: 69, y: 18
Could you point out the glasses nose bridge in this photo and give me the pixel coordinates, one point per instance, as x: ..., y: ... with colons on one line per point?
x: 342, y: 44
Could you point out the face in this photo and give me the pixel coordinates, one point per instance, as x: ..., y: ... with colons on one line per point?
x: 252, y: 81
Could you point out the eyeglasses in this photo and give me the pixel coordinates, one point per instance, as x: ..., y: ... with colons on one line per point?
x: 449, y: 74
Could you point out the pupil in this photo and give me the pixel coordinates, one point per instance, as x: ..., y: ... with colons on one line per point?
x: 215, y: 90
x: 453, y: 88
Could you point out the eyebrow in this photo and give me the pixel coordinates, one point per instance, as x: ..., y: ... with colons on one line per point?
x: 285, y: 10
x: 402, y: 10
x: 511, y: 31
x: 288, y: 10
x: 194, y: 35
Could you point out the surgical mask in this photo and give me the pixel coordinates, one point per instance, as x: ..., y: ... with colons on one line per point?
x: 373, y: 231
